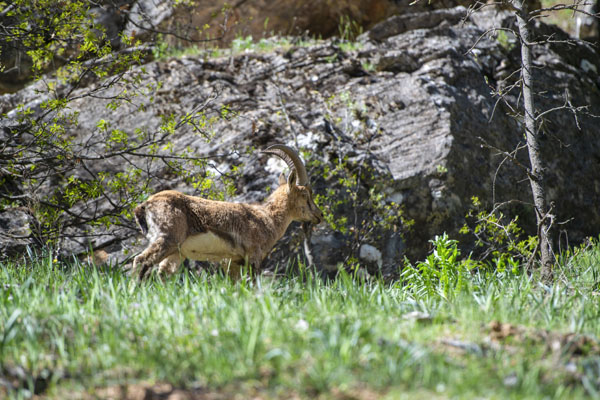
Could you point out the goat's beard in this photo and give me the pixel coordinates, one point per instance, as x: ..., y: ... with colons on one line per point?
x: 307, y: 229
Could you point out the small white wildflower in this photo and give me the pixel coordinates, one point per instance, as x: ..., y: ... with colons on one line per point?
x: 301, y: 325
x: 214, y: 332
x: 571, y: 367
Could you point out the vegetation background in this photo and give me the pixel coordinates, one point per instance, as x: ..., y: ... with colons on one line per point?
x: 448, y: 326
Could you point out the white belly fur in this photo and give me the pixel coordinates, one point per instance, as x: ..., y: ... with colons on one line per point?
x: 208, y: 247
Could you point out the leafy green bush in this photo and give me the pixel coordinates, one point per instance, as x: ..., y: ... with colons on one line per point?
x: 442, y: 272
x: 502, y: 241
x: 56, y: 170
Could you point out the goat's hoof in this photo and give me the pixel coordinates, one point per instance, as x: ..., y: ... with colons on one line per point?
x: 144, y: 272
x: 128, y: 269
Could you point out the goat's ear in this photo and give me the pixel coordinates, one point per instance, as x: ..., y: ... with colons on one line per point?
x: 282, y: 180
x: 291, y: 181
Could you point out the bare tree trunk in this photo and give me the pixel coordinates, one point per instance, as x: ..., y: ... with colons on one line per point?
x: 537, y: 171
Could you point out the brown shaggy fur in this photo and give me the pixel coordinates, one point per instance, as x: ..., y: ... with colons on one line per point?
x: 180, y: 226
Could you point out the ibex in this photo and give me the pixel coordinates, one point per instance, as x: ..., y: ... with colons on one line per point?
x: 179, y: 226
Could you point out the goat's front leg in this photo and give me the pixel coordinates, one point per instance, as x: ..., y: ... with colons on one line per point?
x: 157, y: 251
x: 233, y: 269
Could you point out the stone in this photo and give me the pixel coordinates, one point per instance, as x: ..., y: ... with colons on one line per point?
x: 370, y: 254
x: 15, y: 230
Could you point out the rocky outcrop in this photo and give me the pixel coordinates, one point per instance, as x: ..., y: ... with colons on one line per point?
x: 409, y: 111
x: 209, y: 23
x: 260, y: 18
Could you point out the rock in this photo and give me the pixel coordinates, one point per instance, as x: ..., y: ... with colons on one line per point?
x: 371, y: 254
x: 14, y: 232
x: 587, y: 24
x: 110, y: 16
x: 330, y: 249
x: 410, y: 21
x: 466, y: 347
x: 217, y: 23
x: 418, y: 316
x: 409, y: 112
x: 147, y: 16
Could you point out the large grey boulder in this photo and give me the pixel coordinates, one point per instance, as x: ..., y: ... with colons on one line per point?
x: 412, y: 107
x: 212, y: 23
x: 145, y: 17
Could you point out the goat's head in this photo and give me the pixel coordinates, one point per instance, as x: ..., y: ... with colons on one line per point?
x: 300, y: 199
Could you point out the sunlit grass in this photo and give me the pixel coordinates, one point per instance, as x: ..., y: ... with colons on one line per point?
x: 71, y: 325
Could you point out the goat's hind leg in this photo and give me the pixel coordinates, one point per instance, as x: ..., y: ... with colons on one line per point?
x: 170, y: 264
x: 157, y: 251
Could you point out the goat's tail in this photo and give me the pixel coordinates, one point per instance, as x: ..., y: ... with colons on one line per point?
x: 140, y: 217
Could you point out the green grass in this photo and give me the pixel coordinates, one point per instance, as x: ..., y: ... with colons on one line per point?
x: 239, y: 45
x: 79, y: 329
x: 565, y: 19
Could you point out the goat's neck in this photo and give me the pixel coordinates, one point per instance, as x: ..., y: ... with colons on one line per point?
x: 277, y: 206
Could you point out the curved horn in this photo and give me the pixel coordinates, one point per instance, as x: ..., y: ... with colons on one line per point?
x: 292, y: 159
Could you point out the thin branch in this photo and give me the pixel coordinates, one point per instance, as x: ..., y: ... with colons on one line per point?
x: 511, y: 156
x: 484, y: 34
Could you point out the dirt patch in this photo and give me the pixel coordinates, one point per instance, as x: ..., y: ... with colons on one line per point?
x: 166, y: 391
x: 513, y: 339
x: 565, y: 344
x: 15, y: 377
x: 159, y: 391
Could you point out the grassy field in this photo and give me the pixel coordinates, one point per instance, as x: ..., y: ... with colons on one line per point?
x: 74, y: 331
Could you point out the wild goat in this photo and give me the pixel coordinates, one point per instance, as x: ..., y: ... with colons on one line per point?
x: 180, y: 226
